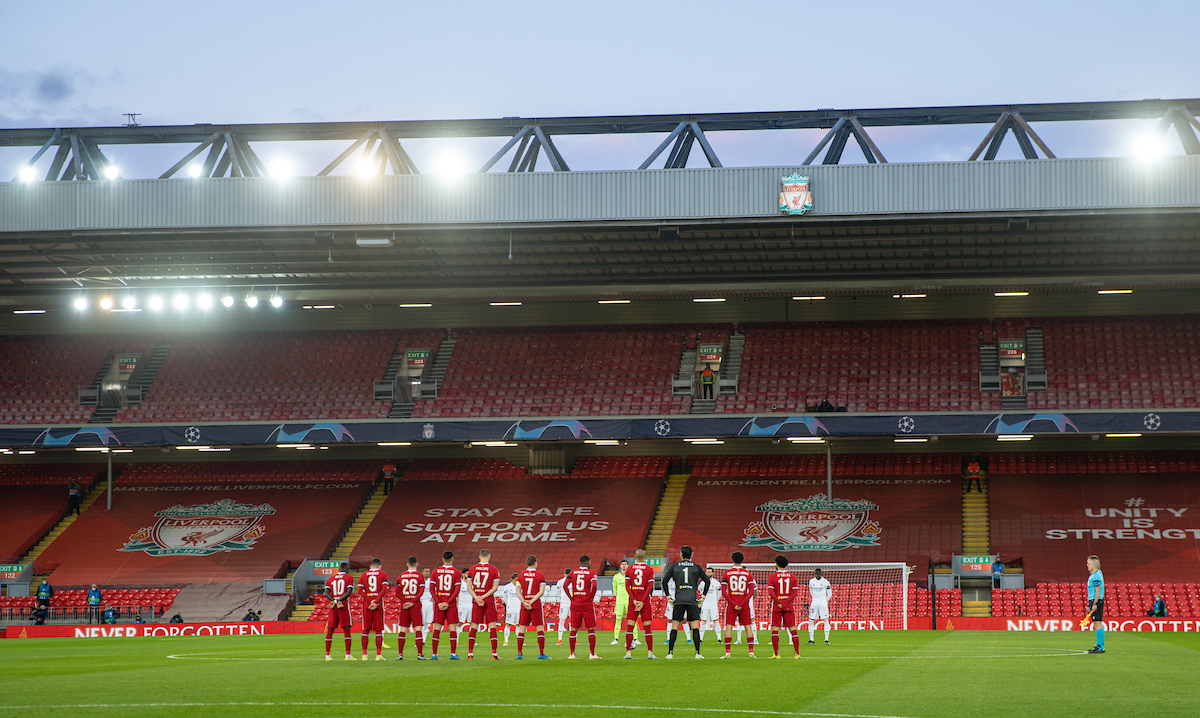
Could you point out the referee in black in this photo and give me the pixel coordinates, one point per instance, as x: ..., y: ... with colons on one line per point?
x: 688, y: 579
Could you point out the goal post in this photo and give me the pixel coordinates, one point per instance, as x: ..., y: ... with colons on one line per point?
x: 863, y: 595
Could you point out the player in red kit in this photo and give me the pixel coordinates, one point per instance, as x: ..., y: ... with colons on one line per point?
x: 483, y: 580
x: 531, y: 586
x: 739, y: 589
x: 639, y: 585
x: 581, y: 588
x: 339, y: 588
x: 447, y: 583
x: 409, y: 587
x: 783, y: 589
x: 371, y: 586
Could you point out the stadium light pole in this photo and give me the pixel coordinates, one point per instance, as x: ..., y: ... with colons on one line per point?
x: 828, y: 470
x: 109, y: 480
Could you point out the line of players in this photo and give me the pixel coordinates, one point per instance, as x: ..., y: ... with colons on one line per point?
x: 432, y: 599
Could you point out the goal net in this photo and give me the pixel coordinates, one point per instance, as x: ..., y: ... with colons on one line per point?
x: 865, y: 596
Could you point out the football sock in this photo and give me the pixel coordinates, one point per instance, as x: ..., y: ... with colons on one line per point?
x: 728, y: 643
x: 750, y: 642
x: 437, y: 636
x: 328, y: 641
x: 471, y: 641
x: 366, y: 637
x: 379, y: 643
x: 629, y: 639
x: 592, y: 640
x: 495, y: 643
x: 453, y: 642
x: 775, y: 640
x: 796, y: 641
x: 671, y: 641
x: 403, y: 638
x: 348, y: 642
x: 811, y: 627
x: 506, y: 627
x: 541, y: 643
x: 826, y: 630
x: 520, y: 643
x: 649, y: 641
x: 420, y: 645
x: 1100, y: 636
x: 696, y: 638
x: 572, y: 642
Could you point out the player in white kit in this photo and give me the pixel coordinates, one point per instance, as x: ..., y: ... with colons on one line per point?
x: 427, y: 601
x: 465, y: 603
x: 819, y: 592
x: 709, y: 614
x: 512, y: 605
x: 564, y: 604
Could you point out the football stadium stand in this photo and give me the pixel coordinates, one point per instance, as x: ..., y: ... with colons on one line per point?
x: 1135, y: 509
x: 35, y: 498
x: 244, y: 527
x: 1123, y: 599
x: 287, y: 375
x: 40, y: 376
x: 914, y: 516
x: 561, y: 371
x: 863, y: 366
x: 558, y: 519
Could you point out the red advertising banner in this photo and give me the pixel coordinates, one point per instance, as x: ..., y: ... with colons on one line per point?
x: 152, y: 630
x: 1034, y: 623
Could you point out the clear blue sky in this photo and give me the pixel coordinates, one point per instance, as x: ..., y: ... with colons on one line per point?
x: 84, y: 63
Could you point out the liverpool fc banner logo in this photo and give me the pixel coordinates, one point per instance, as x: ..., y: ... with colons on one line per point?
x: 202, y: 529
x: 795, y: 197
x: 814, y: 524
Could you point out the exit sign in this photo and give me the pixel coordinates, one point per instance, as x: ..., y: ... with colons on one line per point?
x: 976, y: 563
x: 326, y: 568
x: 11, y: 571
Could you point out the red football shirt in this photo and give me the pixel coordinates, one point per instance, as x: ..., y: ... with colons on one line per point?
x: 446, y: 584
x: 339, y: 586
x: 530, y: 582
x: 738, y: 585
x: 639, y: 582
x: 372, y: 583
x: 784, y: 588
x: 581, y: 586
x: 410, y: 585
x: 483, y: 576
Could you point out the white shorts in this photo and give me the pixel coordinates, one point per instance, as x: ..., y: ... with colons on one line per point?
x: 818, y: 611
x: 511, y: 617
x: 564, y: 611
x: 426, y: 613
x: 708, y: 612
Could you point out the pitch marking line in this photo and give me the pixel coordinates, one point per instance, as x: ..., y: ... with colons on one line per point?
x: 948, y: 655
x: 361, y: 704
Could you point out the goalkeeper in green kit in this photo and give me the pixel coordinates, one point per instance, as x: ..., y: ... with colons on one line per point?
x: 621, y: 607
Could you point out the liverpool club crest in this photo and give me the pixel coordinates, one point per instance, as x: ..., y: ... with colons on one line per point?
x: 795, y: 197
x: 202, y: 529
x: 814, y: 524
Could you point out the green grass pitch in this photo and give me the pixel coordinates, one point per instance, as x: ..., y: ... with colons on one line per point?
x: 923, y: 674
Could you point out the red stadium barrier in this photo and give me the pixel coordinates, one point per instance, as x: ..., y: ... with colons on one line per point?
x: 159, y: 630
x: 1052, y: 623
x: 556, y: 519
x: 888, y: 518
x: 1144, y: 527
x: 201, y: 534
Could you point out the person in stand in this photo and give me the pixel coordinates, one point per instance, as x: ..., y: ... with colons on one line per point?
x: 39, y: 615
x: 110, y: 615
x: 707, y: 377
x: 997, y: 572
x: 973, y: 471
x: 389, y: 477
x: 44, y: 593
x: 250, y: 617
x: 137, y: 618
x: 176, y: 618
x: 94, y: 598
x: 1160, y: 606
x: 74, y: 495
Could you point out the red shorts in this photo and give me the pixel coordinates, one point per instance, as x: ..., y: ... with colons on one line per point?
x: 411, y: 617
x: 646, y: 614
x: 583, y: 617
x: 372, y: 620
x: 485, y: 613
x: 783, y: 616
x: 531, y: 616
x: 447, y: 617
x: 338, y: 618
x: 738, y: 614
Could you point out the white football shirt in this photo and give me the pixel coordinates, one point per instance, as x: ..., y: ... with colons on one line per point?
x: 819, y: 589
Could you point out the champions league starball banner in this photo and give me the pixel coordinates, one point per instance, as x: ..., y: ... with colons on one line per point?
x: 558, y: 429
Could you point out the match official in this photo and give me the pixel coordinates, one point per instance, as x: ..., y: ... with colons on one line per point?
x: 1095, y: 594
x: 691, y: 584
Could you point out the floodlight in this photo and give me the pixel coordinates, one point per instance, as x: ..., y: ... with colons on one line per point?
x: 276, y: 301
x: 227, y: 300
x: 195, y: 170
x: 28, y: 174
x: 156, y: 303
x: 204, y: 301
x: 112, y: 172
x: 252, y: 300
x: 180, y: 302
x: 81, y: 304
x: 129, y: 302
x: 106, y: 303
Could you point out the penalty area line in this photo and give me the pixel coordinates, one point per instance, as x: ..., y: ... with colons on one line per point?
x: 364, y: 704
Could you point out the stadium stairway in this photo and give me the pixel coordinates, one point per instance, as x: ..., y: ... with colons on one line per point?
x: 358, y: 527
x: 664, y: 517
x: 32, y: 555
x: 976, y: 540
